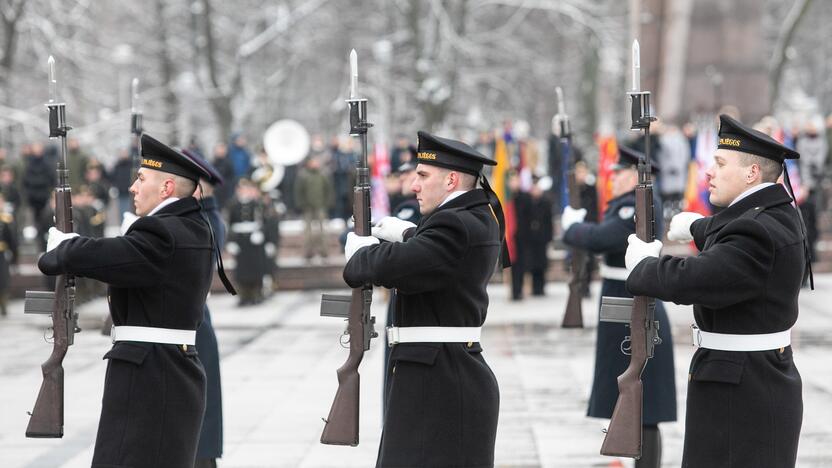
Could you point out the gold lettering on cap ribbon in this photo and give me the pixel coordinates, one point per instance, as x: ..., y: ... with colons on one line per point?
x: 151, y: 163
x: 729, y: 141
x: 425, y: 155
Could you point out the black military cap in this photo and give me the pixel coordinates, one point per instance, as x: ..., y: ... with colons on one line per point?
x: 161, y: 157
x: 450, y: 154
x: 735, y: 136
x: 405, y: 167
x: 215, y: 176
x: 628, y: 157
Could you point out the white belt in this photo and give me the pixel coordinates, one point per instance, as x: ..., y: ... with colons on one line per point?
x: 727, y: 342
x: 614, y: 273
x: 397, y: 335
x: 244, y: 227
x: 154, y: 335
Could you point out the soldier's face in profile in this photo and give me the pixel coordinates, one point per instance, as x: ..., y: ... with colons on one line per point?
x: 623, y: 181
x: 726, y: 177
x: 406, y: 179
x: 147, y: 190
x: 431, y: 185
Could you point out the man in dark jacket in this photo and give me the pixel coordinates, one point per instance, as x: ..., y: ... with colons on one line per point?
x: 210, y: 436
x: 38, y: 183
x: 533, y: 212
x: 159, y: 274
x: 442, y: 398
x: 609, y: 237
x: 744, y: 405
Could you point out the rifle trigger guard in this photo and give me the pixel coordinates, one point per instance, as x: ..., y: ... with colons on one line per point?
x: 47, y: 338
x: 344, y: 339
x: 626, y: 348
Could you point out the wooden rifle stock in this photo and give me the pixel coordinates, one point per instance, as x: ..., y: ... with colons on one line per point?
x: 47, y: 417
x: 573, y: 316
x: 623, y: 436
x: 341, y: 426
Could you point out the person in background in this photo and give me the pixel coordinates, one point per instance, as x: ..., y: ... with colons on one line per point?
x: 225, y: 167
x: 122, y: 178
x: 314, y: 196
x: 609, y: 237
x: 210, y: 446
x: 812, y: 148
x: 76, y: 162
x: 534, y: 232
x: 239, y: 155
x: 8, y: 253
x: 246, y: 242
x: 39, y: 180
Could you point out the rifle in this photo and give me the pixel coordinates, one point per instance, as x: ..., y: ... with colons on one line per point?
x: 623, y: 437
x: 341, y: 427
x: 573, y: 316
x: 47, y: 418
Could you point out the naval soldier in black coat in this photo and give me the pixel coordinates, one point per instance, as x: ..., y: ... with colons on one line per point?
x: 210, y: 436
x: 442, y: 398
x: 158, y: 274
x: 744, y: 405
x: 610, y: 239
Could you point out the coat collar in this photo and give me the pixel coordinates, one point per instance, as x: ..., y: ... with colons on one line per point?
x: 467, y: 200
x: 180, y: 207
x: 765, y: 198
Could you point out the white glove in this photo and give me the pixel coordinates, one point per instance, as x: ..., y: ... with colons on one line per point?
x: 638, y: 250
x: 232, y: 248
x: 269, y: 248
x: 391, y: 229
x: 355, y: 242
x: 56, y: 237
x: 257, y: 237
x: 680, y: 226
x: 571, y: 216
x: 127, y: 220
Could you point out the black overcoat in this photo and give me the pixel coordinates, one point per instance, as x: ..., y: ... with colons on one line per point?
x: 610, y: 239
x: 407, y: 210
x: 211, y: 435
x: 158, y: 274
x: 442, y: 399
x: 534, y: 231
x: 743, y: 408
x: 245, y: 222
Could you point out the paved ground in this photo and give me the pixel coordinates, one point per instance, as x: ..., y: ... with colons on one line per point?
x: 278, y: 371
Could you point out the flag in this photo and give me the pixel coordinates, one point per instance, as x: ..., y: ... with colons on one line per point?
x: 379, y: 169
x: 500, y: 172
x: 696, y: 193
x: 607, y: 156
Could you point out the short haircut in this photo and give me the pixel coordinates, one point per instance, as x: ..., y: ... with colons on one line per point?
x: 184, y: 187
x: 770, y: 169
x: 467, y: 181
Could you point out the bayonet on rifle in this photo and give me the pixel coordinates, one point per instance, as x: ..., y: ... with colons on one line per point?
x: 47, y: 417
x: 341, y: 427
x: 623, y: 437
